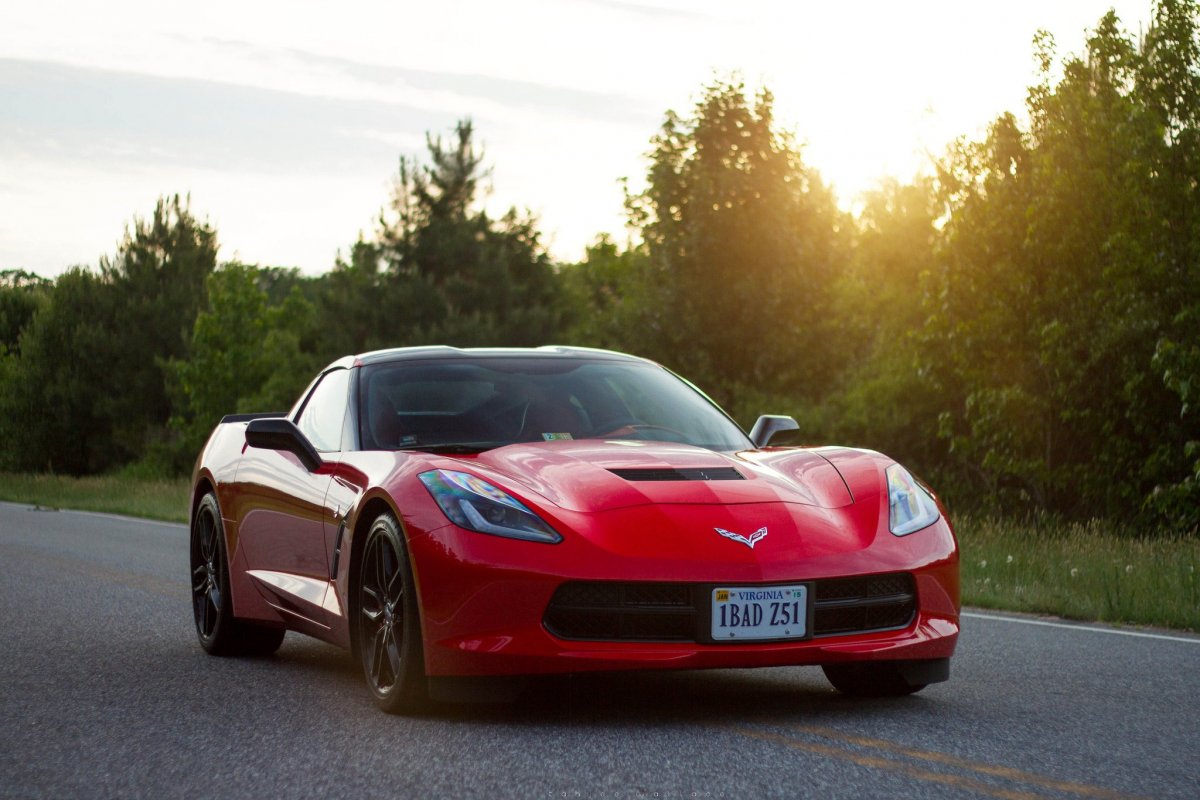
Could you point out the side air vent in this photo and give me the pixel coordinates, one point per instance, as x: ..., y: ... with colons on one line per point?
x: 688, y: 474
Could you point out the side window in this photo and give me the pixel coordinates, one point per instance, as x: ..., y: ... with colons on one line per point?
x: 322, y: 417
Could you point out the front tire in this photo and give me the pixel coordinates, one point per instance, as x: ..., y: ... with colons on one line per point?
x: 221, y: 634
x: 886, y: 678
x: 389, y: 625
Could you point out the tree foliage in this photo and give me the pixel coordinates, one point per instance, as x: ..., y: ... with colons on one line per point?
x: 158, y: 278
x: 1068, y: 252
x: 440, y: 269
x: 883, y: 397
x: 246, y: 355
x: 604, y: 294
x: 732, y: 282
x: 54, y: 410
x: 87, y: 390
x: 21, y: 294
x: 741, y: 251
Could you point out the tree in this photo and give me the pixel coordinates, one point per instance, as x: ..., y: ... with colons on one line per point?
x: 1179, y: 501
x: 1170, y: 83
x: 356, y: 308
x: 1068, y: 252
x: 441, y: 270
x: 21, y: 294
x: 53, y: 414
x: 87, y: 391
x: 883, y: 398
x: 157, y: 279
x: 600, y: 292
x: 742, y: 249
x: 245, y: 355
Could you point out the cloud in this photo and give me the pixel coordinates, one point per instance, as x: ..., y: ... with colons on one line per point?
x: 288, y: 176
x: 77, y: 113
x: 656, y: 12
x: 468, y: 90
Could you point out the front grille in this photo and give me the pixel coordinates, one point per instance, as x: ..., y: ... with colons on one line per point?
x: 650, y: 612
x: 871, y: 603
x: 678, y: 612
x: 682, y: 474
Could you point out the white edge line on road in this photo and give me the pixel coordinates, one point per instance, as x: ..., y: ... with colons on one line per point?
x: 51, y: 510
x: 127, y: 518
x: 1116, y: 631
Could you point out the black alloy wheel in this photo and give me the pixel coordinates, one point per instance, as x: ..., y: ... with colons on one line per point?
x: 207, y: 574
x: 389, y: 633
x: 221, y: 634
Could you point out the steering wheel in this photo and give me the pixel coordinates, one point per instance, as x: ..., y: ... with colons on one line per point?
x: 629, y: 425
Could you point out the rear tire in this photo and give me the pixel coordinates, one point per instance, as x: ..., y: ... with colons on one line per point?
x: 871, y: 679
x: 221, y: 634
x: 389, y: 623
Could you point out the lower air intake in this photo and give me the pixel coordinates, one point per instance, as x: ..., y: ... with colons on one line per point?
x: 678, y: 612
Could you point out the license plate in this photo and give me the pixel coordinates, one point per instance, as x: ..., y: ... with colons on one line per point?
x: 765, y: 612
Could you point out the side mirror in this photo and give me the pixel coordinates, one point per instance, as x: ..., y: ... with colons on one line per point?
x: 279, y: 433
x: 768, y: 425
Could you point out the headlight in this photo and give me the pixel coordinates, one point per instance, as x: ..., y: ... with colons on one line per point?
x: 910, y: 506
x: 472, y: 503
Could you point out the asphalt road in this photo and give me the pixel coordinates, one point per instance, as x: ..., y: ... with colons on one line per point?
x: 104, y: 692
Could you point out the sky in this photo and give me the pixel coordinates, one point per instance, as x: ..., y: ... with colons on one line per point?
x: 285, y: 121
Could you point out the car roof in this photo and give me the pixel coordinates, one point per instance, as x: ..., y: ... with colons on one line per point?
x: 477, y: 353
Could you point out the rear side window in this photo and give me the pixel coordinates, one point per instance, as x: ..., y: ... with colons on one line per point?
x: 323, y: 416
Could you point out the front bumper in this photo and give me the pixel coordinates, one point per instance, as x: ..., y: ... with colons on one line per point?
x: 484, y: 599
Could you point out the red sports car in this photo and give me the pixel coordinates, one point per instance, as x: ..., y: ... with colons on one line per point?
x: 456, y: 516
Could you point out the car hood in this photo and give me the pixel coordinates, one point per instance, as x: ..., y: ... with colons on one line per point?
x: 597, y: 475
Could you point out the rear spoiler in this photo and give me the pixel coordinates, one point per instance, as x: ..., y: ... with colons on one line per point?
x: 248, y: 417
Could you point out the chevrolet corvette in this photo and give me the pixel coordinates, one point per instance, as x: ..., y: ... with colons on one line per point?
x: 466, y: 520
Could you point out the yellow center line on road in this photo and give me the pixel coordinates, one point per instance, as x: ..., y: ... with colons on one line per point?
x: 877, y: 762
x: 963, y: 763
x: 930, y: 757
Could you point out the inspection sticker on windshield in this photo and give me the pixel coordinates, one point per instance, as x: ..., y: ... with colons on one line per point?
x: 760, y: 612
x: 550, y: 437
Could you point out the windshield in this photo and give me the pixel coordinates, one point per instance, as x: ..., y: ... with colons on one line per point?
x: 465, y: 406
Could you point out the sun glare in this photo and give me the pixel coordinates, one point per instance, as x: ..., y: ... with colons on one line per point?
x: 881, y: 89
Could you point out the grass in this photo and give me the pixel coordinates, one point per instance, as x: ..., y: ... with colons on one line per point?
x: 1089, y: 571
x: 151, y: 498
x: 1092, y: 571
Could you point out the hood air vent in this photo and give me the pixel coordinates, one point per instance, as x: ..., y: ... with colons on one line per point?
x: 688, y: 474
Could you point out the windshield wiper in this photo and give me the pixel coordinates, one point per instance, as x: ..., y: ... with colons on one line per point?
x: 458, y: 448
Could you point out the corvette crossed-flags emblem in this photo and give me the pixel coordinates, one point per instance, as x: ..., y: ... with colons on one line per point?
x: 750, y: 541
